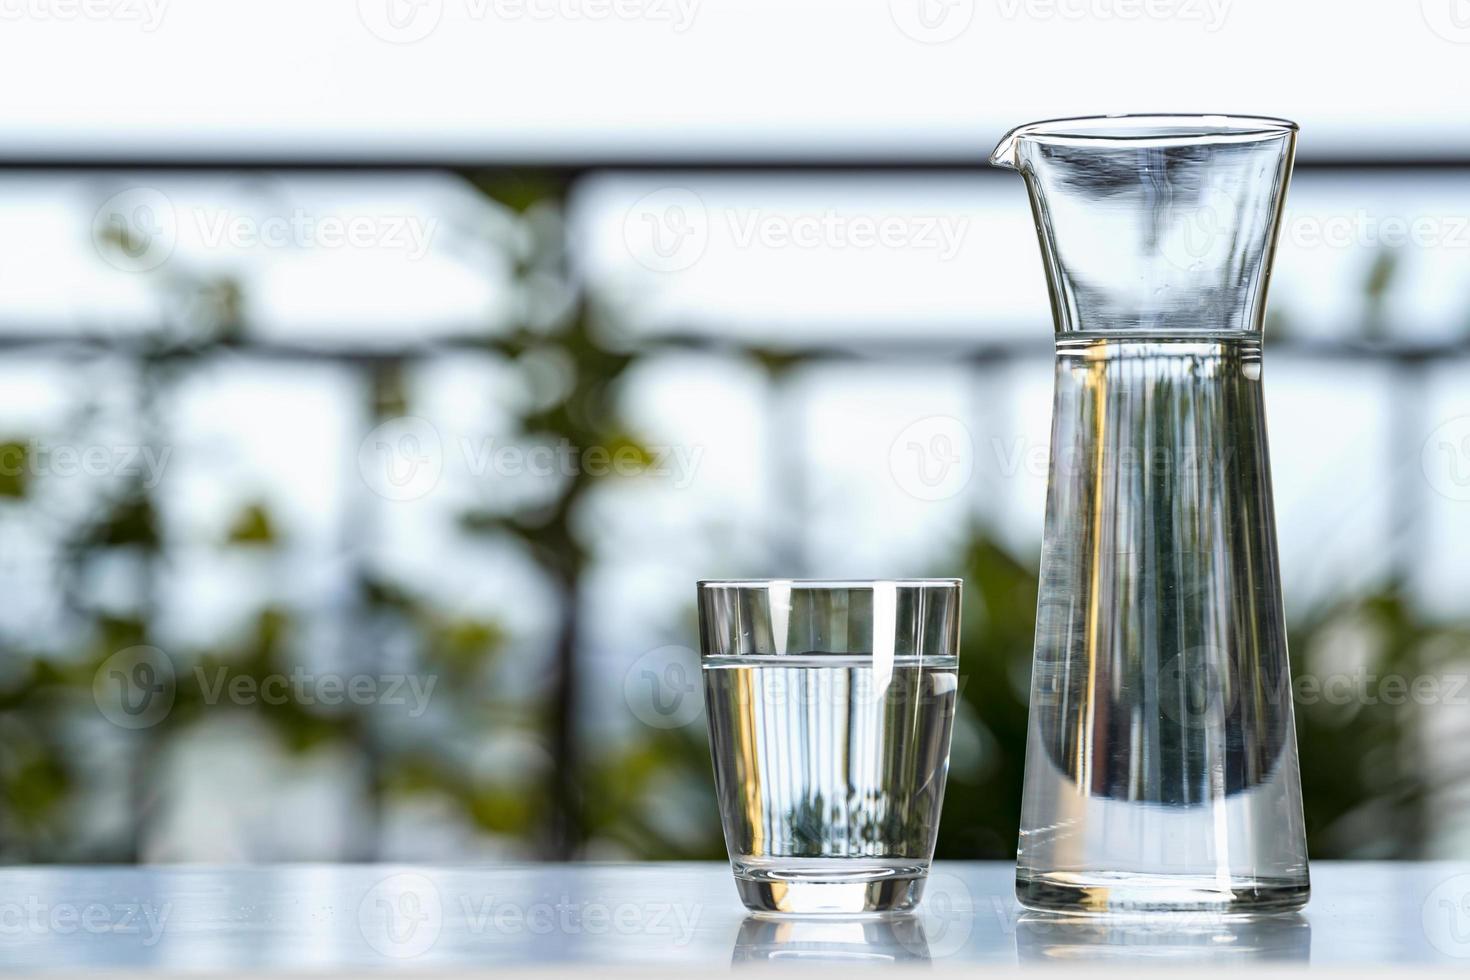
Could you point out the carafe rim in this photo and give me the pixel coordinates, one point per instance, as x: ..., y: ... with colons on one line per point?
x: 1145, y: 130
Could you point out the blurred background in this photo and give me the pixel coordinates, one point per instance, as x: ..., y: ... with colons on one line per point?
x: 377, y: 377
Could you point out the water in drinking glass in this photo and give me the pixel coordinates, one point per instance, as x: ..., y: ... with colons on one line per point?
x: 830, y: 764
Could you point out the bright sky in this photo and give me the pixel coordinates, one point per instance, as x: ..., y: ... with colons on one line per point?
x: 407, y: 77
x: 563, y: 77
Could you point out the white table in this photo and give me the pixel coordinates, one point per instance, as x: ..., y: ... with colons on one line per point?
x: 261, y: 920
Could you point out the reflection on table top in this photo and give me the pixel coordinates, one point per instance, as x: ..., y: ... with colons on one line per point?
x: 348, y: 917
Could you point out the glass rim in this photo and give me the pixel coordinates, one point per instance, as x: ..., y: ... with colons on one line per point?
x: 1148, y: 129
x: 830, y: 584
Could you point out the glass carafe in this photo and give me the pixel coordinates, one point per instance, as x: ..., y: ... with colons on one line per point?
x: 1161, y: 768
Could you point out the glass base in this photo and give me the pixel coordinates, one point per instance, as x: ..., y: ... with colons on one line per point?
x: 841, y: 890
x: 1103, y: 893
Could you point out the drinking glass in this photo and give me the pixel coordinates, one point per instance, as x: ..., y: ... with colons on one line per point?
x: 830, y: 709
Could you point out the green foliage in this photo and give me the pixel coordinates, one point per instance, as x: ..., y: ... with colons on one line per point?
x: 33, y: 781
x: 14, y: 468
x: 127, y: 521
x: 1367, y: 779
x: 1376, y: 285
x: 644, y: 794
x: 252, y: 526
x: 982, y: 802
x: 1366, y: 784
x: 628, y: 798
x: 520, y: 191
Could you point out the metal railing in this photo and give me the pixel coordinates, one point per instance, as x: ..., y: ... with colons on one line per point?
x: 1410, y: 360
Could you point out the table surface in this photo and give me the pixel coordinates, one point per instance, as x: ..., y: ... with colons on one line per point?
x: 348, y: 917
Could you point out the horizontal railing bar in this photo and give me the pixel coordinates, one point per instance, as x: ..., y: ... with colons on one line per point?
x: 571, y: 169
x: 882, y: 348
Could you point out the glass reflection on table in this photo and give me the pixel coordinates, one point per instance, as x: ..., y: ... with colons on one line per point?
x: 1205, y: 939
x: 890, y: 939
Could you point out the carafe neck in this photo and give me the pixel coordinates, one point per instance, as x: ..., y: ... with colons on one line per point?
x: 1157, y: 225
